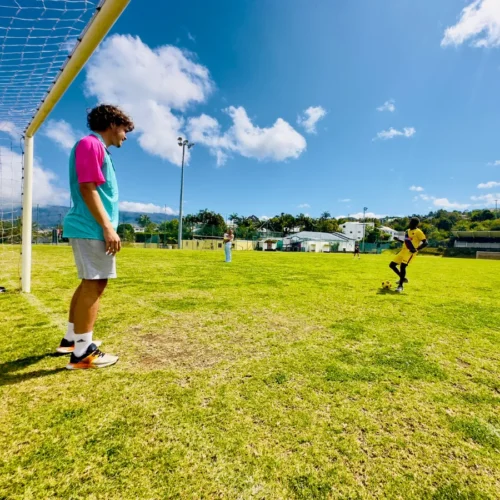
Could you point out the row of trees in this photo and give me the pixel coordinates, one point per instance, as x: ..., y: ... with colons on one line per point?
x: 438, y: 226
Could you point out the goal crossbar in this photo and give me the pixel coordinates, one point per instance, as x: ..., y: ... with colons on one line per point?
x: 107, y: 12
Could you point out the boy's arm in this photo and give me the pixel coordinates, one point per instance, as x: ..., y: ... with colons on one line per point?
x: 94, y: 204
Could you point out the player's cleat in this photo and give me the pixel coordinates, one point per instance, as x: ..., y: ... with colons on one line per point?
x: 399, y: 289
x: 93, y: 358
x: 405, y: 280
x: 68, y: 346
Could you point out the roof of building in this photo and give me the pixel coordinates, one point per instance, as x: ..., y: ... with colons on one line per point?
x: 317, y: 236
x: 476, y: 234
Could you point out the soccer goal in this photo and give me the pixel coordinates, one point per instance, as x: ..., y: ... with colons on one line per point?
x: 44, y: 44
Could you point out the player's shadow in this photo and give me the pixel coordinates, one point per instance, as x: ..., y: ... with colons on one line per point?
x: 9, y: 378
x: 387, y: 291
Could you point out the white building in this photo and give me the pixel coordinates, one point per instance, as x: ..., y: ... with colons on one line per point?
x: 356, y: 230
x: 310, y: 241
x: 393, y: 233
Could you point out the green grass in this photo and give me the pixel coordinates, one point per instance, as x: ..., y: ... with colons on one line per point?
x: 278, y: 376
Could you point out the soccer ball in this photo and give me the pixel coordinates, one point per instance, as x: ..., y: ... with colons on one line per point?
x: 386, y: 285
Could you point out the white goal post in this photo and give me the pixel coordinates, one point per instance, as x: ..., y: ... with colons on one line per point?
x: 105, y: 15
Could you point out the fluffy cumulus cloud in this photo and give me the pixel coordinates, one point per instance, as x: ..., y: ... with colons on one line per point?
x: 45, y: 190
x: 389, y: 105
x: 442, y: 202
x: 418, y: 189
x: 277, y: 143
x: 495, y: 163
x: 392, y: 133
x: 360, y: 215
x: 445, y: 203
x: 479, y: 23
x: 61, y: 132
x: 488, y: 185
x: 10, y: 129
x: 156, y: 86
x: 310, y: 118
x: 487, y: 199
x: 345, y: 200
x: 152, y: 85
x: 304, y: 205
x: 147, y: 208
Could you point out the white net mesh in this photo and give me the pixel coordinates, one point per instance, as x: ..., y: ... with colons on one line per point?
x: 11, y: 168
x: 36, y: 39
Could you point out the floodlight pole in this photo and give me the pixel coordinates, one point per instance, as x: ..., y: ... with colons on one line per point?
x: 182, y: 143
x: 364, y: 226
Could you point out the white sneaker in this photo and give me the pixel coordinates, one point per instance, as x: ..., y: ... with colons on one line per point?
x: 93, y: 358
x: 399, y: 289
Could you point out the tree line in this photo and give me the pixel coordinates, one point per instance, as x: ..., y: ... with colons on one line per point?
x: 438, y: 226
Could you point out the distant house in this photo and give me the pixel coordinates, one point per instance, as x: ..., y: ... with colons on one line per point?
x: 269, y: 244
x: 356, y: 230
x: 392, y: 232
x: 311, y: 241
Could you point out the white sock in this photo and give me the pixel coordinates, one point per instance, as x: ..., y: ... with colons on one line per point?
x: 70, y: 332
x: 82, y: 342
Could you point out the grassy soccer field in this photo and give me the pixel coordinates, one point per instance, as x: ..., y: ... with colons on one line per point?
x: 282, y: 375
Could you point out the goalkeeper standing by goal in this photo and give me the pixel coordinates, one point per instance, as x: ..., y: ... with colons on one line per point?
x: 91, y: 227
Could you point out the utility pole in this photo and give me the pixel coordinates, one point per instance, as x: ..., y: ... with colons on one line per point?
x: 496, y: 208
x: 182, y: 144
x: 364, y: 226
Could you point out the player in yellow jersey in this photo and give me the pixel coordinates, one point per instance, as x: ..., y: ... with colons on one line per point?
x: 414, y: 241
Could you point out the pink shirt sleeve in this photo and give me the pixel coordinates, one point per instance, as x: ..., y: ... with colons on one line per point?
x: 89, y: 158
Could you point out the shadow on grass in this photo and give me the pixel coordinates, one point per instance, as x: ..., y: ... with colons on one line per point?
x: 387, y: 291
x: 6, y: 378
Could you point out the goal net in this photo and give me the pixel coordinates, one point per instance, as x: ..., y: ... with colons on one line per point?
x: 43, y: 46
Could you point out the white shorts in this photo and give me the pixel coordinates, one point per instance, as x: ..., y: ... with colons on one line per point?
x: 91, y: 259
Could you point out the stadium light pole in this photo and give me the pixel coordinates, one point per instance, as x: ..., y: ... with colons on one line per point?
x: 183, y: 144
x: 364, y: 226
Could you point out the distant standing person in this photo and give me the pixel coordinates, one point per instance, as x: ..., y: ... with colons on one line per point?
x: 414, y: 241
x: 91, y: 227
x: 228, y: 243
x: 356, y: 250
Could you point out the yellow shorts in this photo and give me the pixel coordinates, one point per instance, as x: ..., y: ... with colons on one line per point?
x: 404, y: 257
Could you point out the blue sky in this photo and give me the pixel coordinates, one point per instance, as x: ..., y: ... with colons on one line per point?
x: 405, y: 95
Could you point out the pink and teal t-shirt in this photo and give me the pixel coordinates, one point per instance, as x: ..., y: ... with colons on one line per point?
x: 89, y: 161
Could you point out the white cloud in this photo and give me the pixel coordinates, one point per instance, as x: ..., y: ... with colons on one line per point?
x: 389, y: 105
x: 147, y: 208
x: 488, y: 200
x: 191, y: 37
x: 310, y: 117
x: 369, y: 215
x: 304, y: 205
x: 445, y: 203
x: 149, y: 84
x: 45, y: 192
x: 495, y: 163
x: 155, y: 85
x: 264, y: 217
x: 442, y: 202
x: 392, y: 132
x: 488, y: 185
x: 416, y: 188
x: 61, y: 132
x: 277, y: 143
x: 479, y: 22
x: 10, y: 129
x: 345, y: 200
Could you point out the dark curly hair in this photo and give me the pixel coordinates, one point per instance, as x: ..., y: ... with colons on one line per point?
x: 103, y: 116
